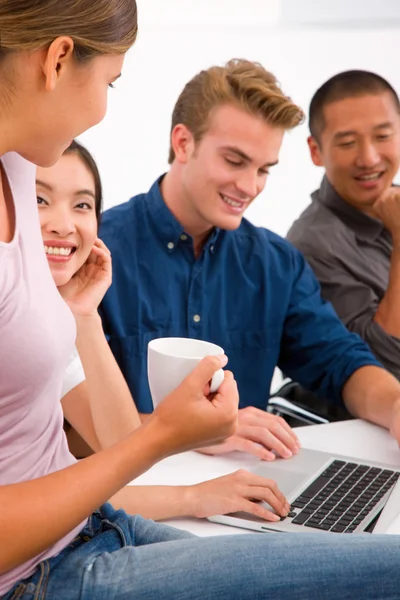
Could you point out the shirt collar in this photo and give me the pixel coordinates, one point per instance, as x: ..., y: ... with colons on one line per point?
x: 168, y: 228
x: 365, y: 227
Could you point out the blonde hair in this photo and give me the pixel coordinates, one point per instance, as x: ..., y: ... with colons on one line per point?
x: 241, y: 83
x: 96, y: 26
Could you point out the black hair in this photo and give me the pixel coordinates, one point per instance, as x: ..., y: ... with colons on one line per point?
x: 90, y: 163
x: 347, y: 84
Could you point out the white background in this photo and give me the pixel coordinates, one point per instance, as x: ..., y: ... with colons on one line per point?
x: 177, y: 38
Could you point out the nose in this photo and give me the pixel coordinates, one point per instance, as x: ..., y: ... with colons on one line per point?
x: 368, y: 155
x: 60, y: 222
x: 247, y: 184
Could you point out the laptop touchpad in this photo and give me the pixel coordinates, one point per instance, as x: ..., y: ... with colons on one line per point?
x: 291, y: 474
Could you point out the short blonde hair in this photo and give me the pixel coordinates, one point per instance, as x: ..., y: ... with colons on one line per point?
x: 241, y: 83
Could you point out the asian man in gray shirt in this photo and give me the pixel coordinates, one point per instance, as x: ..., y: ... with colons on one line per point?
x: 350, y: 234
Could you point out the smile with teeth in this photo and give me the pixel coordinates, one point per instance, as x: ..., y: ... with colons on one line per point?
x: 370, y: 177
x: 56, y: 251
x: 231, y: 202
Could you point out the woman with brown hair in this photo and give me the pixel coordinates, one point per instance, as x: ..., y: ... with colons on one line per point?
x: 58, y: 540
x: 57, y: 61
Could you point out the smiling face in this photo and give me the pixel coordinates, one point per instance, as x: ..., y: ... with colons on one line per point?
x: 359, y: 147
x: 66, y: 203
x: 227, y: 169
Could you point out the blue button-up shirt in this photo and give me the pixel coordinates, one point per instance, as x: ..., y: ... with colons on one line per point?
x: 250, y: 291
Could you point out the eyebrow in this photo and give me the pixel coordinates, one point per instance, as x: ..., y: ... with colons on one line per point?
x: 244, y: 156
x: 341, y: 134
x: 83, y: 192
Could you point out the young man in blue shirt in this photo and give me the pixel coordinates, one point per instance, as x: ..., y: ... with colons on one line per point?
x: 186, y: 263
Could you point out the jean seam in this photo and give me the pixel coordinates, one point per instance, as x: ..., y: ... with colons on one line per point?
x: 18, y: 592
x: 43, y: 580
x: 120, y: 531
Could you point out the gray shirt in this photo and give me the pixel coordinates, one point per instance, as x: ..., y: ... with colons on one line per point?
x: 350, y: 254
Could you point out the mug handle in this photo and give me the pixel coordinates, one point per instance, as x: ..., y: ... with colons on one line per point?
x: 216, y: 380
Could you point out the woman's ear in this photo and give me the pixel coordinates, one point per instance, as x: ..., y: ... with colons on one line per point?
x: 57, y: 60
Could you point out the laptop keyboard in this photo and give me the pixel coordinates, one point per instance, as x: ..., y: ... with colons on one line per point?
x: 342, y: 497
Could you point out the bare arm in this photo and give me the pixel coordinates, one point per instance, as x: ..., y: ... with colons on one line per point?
x: 218, y: 496
x: 239, y: 491
x: 388, y: 311
x: 37, y: 513
x: 387, y: 210
x: 157, y: 502
x: 113, y: 410
x: 78, y: 412
x: 373, y: 394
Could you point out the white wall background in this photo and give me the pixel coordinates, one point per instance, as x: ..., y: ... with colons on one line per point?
x: 178, y: 38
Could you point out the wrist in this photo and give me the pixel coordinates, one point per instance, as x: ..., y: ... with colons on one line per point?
x: 89, y: 329
x: 184, y: 504
x: 189, y: 500
x: 158, y: 438
x: 88, y: 320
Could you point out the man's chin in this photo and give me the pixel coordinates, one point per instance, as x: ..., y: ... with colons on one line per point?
x: 364, y: 199
x: 229, y: 223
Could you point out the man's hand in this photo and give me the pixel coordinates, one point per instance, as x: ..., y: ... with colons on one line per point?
x: 387, y: 209
x: 240, y: 491
x: 191, y: 417
x: 261, y: 434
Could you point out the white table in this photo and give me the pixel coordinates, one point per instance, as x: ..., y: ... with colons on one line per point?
x: 354, y: 438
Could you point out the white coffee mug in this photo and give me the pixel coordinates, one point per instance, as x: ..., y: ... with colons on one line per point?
x: 170, y: 360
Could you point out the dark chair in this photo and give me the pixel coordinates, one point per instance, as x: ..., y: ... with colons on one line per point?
x: 299, y: 406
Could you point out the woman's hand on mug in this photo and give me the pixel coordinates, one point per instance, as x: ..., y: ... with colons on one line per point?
x: 84, y: 292
x: 190, y: 417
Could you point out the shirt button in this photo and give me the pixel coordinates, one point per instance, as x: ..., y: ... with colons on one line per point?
x: 170, y: 245
x: 212, y: 248
x: 197, y: 318
x: 183, y: 237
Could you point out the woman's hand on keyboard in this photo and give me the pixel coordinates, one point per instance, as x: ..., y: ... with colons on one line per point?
x: 239, y: 491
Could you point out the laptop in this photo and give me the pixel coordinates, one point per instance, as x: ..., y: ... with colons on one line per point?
x: 328, y: 494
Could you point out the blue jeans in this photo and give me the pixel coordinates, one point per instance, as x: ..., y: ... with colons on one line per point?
x: 118, y: 557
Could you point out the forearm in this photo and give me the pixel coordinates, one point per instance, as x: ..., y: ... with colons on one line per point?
x: 113, y: 410
x: 144, y: 416
x: 371, y: 394
x: 155, y: 502
x: 388, y: 311
x: 36, y: 514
